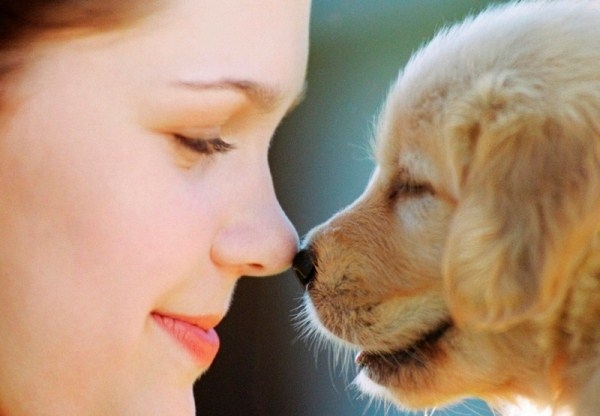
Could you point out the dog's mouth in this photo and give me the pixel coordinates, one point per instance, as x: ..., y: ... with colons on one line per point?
x: 380, y: 366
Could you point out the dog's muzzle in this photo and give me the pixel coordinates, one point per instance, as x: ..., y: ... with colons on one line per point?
x: 304, y: 265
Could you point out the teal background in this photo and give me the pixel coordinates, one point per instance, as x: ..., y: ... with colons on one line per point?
x: 320, y: 163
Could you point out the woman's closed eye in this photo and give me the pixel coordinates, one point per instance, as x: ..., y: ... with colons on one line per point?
x: 204, y: 146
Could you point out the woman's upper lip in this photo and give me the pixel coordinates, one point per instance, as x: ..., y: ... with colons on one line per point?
x: 205, y: 322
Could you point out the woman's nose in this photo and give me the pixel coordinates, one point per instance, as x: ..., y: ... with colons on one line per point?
x: 259, y: 240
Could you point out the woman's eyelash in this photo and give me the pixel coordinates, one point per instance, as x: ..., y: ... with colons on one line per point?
x: 204, y: 146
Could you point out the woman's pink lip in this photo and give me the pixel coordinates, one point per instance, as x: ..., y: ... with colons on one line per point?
x: 195, y: 334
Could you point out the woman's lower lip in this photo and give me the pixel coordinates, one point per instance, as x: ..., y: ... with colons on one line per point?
x: 202, y: 344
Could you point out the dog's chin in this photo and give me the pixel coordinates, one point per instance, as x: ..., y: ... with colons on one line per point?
x: 403, y: 374
x: 381, y: 372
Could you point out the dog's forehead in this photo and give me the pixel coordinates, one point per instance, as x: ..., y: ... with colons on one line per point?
x: 407, y: 140
x: 475, y: 63
x: 417, y: 162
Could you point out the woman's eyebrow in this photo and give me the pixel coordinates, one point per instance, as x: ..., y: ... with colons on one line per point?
x: 266, y: 97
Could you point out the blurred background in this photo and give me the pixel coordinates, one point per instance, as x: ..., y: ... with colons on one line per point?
x: 320, y: 163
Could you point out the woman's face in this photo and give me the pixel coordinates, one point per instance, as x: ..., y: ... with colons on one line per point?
x: 135, y: 191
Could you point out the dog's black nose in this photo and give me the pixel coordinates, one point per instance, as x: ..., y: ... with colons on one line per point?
x: 304, y: 265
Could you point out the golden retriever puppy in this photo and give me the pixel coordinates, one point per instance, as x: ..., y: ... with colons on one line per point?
x: 470, y: 265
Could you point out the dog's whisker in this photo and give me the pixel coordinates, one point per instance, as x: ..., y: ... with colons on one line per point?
x: 340, y: 356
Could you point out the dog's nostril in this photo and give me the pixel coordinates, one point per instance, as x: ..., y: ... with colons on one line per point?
x: 304, y: 266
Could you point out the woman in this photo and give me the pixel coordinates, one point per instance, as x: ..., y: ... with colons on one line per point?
x: 135, y: 191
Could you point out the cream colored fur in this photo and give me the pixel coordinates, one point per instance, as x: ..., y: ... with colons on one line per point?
x: 483, y: 211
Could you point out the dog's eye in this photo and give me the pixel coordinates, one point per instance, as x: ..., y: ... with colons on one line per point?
x: 410, y: 189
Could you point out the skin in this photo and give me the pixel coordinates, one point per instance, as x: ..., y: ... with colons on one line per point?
x: 107, y: 217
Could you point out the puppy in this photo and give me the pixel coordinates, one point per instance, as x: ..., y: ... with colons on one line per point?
x: 470, y: 265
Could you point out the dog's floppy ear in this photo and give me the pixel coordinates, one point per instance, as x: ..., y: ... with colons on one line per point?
x: 527, y: 175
